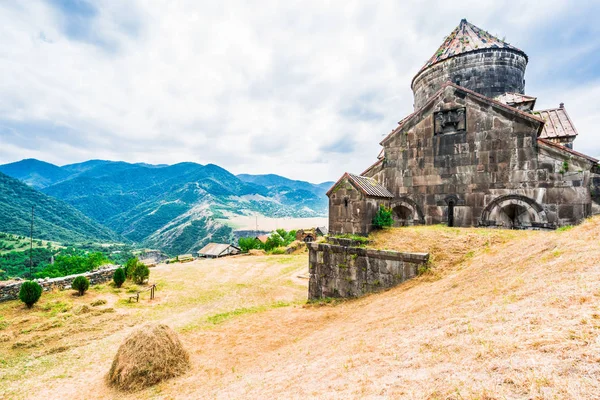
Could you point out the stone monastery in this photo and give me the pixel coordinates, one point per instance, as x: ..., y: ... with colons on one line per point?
x: 474, y: 152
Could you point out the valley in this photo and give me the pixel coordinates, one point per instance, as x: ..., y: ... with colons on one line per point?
x: 174, y: 208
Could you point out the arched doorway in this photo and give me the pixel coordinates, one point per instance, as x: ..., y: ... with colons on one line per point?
x: 406, y: 212
x: 514, y: 212
x: 403, y: 216
x: 451, y: 205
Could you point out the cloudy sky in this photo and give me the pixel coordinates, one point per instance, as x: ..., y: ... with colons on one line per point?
x: 304, y: 89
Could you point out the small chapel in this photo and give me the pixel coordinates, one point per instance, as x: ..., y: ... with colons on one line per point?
x: 475, y: 151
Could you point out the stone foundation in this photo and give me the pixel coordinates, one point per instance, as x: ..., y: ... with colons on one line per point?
x: 10, y: 291
x: 343, y: 271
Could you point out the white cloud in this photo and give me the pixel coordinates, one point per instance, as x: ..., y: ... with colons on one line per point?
x: 256, y: 87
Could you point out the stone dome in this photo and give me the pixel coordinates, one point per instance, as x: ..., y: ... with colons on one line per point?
x: 474, y: 59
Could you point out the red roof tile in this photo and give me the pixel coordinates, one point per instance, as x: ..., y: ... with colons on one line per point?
x: 557, y: 123
x: 464, y: 39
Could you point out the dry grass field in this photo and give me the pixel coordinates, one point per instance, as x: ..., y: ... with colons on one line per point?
x: 501, y: 315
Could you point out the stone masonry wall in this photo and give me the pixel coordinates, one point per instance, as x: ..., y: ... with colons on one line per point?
x: 342, y: 271
x: 492, y: 164
x: 102, y: 275
x: 350, y: 211
x: 491, y: 72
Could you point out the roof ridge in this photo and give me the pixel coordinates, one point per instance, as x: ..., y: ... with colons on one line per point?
x: 466, y: 38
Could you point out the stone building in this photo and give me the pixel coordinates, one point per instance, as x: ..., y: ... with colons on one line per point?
x: 474, y: 152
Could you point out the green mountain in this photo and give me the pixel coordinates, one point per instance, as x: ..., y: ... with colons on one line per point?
x: 174, y: 208
x: 54, y: 219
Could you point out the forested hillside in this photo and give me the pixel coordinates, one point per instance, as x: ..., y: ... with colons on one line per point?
x: 174, y: 207
x: 54, y: 219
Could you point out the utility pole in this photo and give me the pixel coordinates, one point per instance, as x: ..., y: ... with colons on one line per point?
x: 31, y: 246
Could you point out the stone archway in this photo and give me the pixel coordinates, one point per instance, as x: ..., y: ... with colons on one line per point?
x: 406, y: 212
x: 514, y: 211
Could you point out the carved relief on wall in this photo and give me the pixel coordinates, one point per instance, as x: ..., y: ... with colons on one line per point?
x: 450, y: 121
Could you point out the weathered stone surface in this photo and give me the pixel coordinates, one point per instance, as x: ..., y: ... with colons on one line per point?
x: 103, y: 274
x: 343, y: 271
x: 490, y: 72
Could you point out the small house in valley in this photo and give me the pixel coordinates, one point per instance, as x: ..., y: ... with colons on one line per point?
x: 262, y: 238
x: 216, y: 250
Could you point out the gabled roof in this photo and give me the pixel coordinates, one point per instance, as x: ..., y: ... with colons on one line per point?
x: 557, y: 123
x: 471, y: 93
x: 368, y: 186
x: 215, y: 249
x: 263, y: 238
x: 567, y: 150
x: 466, y: 38
x: 514, y: 98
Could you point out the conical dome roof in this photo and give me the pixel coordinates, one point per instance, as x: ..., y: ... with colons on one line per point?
x: 464, y: 39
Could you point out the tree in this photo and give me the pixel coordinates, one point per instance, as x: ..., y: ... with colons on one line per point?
x: 140, y: 272
x: 81, y: 284
x: 30, y: 293
x: 119, y: 277
x: 383, y: 218
x: 130, y: 266
x: 248, y: 243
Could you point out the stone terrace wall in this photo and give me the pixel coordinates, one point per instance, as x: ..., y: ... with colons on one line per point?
x: 343, y: 271
x: 102, y: 275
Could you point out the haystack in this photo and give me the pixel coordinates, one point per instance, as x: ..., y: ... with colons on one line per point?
x: 149, y: 355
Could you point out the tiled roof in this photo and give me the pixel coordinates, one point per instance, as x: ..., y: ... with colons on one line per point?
x: 369, y: 186
x: 464, y: 39
x: 514, y: 98
x: 557, y: 123
x: 263, y: 238
x: 567, y: 150
x: 214, y: 249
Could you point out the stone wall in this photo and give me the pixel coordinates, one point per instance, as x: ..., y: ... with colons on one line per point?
x: 342, y: 271
x: 490, y: 72
x: 350, y: 211
x: 493, y: 167
x: 104, y: 274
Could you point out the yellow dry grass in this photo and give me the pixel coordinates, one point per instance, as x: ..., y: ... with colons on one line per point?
x: 502, y: 314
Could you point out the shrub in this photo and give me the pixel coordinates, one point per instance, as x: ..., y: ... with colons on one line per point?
x: 129, y: 267
x: 119, y: 277
x: 383, y: 218
x: 140, y: 272
x: 81, y: 284
x: 30, y: 293
x: 248, y: 243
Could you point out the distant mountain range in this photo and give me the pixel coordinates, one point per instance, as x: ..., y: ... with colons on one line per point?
x: 54, y: 219
x: 173, y: 208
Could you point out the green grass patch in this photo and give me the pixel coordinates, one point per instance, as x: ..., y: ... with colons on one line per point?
x: 564, y: 228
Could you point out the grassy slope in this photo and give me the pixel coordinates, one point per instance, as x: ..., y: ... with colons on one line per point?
x: 503, y: 314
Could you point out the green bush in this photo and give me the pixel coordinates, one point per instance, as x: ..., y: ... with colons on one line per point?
x: 30, y: 293
x: 119, y: 277
x: 130, y: 266
x: 383, y: 218
x: 81, y: 284
x: 140, y: 273
x: 248, y: 243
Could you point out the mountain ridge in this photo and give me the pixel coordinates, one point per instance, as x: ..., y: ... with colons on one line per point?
x: 171, y: 207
